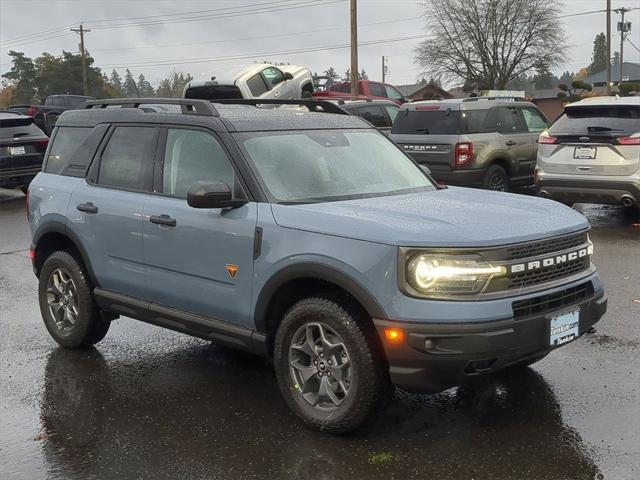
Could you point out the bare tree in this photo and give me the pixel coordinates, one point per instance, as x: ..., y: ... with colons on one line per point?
x: 487, y: 43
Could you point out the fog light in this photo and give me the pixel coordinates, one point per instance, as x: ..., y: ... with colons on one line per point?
x: 394, y: 335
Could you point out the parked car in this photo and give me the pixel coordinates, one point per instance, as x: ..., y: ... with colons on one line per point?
x: 46, y: 115
x: 366, y: 89
x: 380, y: 113
x: 255, y: 81
x: 310, y: 238
x: 22, y: 147
x: 482, y: 142
x: 591, y: 153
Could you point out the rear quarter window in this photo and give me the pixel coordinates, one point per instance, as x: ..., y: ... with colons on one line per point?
x: 72, y: 150
x: 435, y: 122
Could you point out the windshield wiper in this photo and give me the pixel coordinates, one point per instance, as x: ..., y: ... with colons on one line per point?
x: 425, y: 130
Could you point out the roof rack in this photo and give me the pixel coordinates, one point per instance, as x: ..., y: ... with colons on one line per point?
x: 509, y: 98
x: 188, y: 106
x: 313, y: 105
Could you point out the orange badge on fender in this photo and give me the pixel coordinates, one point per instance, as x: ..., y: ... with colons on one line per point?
x: 232, y: 269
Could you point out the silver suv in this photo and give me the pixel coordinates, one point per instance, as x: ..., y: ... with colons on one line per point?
x: 591, y: 153
x: 487, y: 142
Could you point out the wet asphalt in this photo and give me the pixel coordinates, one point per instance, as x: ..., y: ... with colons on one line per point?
x: 148, y: 403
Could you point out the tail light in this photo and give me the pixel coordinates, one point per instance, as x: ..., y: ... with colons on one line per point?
x: 630, y: 140
x: 41, y: 145
x: 547, y: 139
x: 32, y: 111
x: 463, y: 153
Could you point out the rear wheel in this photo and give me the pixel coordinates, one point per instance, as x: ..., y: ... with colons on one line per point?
x: 496, y: 179
x: 327, y: 366
x: 66, y: 302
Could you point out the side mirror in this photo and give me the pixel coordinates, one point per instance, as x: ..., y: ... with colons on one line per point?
x: 425, y: 169
x: 212, y: 195
x: 288, y: 76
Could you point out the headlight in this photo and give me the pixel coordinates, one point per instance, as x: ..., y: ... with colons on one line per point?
x: 450, y: 275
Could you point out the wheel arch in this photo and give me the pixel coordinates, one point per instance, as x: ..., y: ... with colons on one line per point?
x: 294, y: 282
x: 52, y: 237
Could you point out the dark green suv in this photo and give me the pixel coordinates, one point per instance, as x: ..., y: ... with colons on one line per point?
x: 482, y: 142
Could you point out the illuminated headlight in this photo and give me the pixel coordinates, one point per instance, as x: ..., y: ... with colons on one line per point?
x: 450, y: 275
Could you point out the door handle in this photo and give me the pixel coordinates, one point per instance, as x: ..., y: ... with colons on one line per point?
x: 510, y: 143
x: 87, y: 207
x: 163, y: 220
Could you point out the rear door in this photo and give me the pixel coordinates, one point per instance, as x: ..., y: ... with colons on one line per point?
x: 536, y: 123
x: 106, y: 210
x: 516, y: 141
x: 428, y: 134
x: 198, y: 260
x: 594, y: 140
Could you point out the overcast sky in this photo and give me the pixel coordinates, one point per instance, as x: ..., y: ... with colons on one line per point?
x: 218, y: 28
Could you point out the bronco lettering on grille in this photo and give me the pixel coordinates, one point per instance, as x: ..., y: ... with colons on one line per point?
x: 550, y: 261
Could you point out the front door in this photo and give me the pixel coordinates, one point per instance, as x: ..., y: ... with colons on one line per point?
x: 198, y: 260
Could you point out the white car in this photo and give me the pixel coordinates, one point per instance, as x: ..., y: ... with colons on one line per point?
x: 254, y: 81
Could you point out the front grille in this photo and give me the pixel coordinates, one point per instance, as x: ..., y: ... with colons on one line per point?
x: 545, y: 246
x: 553, y: 301
x: 548, y: 274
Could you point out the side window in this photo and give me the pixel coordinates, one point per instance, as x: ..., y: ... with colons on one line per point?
x: 375, y: 115
x: 393, y: 93
x: 191, y: 156
x: 273, y: 76
x: 66, y: 142
x: 392, y: 111
x: 126, y: 161
x: 377, y: 89
x: 510, y: 121
x: 57, y: 101
x: 535, y: 122
x: 257, y: 86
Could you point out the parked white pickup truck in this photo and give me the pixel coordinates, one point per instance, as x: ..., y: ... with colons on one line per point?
x: 254, y: 81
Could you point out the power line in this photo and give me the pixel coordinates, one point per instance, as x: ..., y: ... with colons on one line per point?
x: 260, y: 37
x: 632, y: 44
x: 261, y: 54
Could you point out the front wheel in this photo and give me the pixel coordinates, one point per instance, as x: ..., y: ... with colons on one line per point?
x: 66, y: 302
x: 496, y: 179
x: 327, y: 365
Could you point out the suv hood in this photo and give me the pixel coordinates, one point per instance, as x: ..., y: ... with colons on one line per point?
x: 453, y: 217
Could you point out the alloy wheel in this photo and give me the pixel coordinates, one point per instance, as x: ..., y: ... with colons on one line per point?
x: 320, y: 366
x: 496, y: 182
x: 62, y: 299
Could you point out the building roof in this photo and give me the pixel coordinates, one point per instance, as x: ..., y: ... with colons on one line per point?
x: 408, y: 90
x: 630, y: 69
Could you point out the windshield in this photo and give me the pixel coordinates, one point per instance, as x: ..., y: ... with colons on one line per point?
x: 327, y: 165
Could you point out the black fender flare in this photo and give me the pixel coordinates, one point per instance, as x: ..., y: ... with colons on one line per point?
x: 320, y: 272
x: 60, y: 228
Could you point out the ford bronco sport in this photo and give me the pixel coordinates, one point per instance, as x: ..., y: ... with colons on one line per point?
x: 307, y: 237
x: 487, y: 142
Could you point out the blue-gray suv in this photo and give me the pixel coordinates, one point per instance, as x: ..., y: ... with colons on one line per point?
x: 304, y: 235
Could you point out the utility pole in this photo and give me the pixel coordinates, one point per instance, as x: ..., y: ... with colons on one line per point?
x: 354, y: 48
x: 623, y: 28
x: 81, y: 31
x: 608, y: 47
x: 384, y: 67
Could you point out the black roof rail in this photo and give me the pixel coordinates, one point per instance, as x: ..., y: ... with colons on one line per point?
x: 188, y: 106
x: 311, y: 104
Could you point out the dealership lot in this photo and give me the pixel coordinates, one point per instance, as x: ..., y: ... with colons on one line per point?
x: 148, y: 402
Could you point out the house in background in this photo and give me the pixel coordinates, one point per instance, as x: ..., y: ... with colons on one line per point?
x: 423, y: 91
x: 630, y: 73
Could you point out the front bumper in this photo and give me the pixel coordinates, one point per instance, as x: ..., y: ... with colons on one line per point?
x: 459, y: 352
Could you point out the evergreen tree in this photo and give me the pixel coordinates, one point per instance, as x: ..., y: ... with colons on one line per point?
x: 615, y: 60
x: 363, y: 75
x: 543, y: 77
x: 347, y: 76
x: 599, y: 55
x: 116, y: 82
x: 332, y: 74
x: 129, y: 85
x: 144, y: 88
x: 22, y: 76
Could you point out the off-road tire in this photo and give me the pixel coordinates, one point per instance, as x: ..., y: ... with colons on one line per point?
x: 369, y: 388
x: 493, y: 173
x: 89, y: 327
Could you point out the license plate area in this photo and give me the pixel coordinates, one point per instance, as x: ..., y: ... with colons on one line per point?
x: 584, y: 153
x: 20, y: 150
x: 564, y: 327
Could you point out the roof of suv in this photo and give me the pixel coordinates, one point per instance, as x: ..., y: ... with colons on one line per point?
x: 216, y: 116
x: 470, y: 103
x: 610, y: 100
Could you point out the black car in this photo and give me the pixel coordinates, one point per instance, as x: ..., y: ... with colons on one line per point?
x: 380, y: 113
x: 22, y: 147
